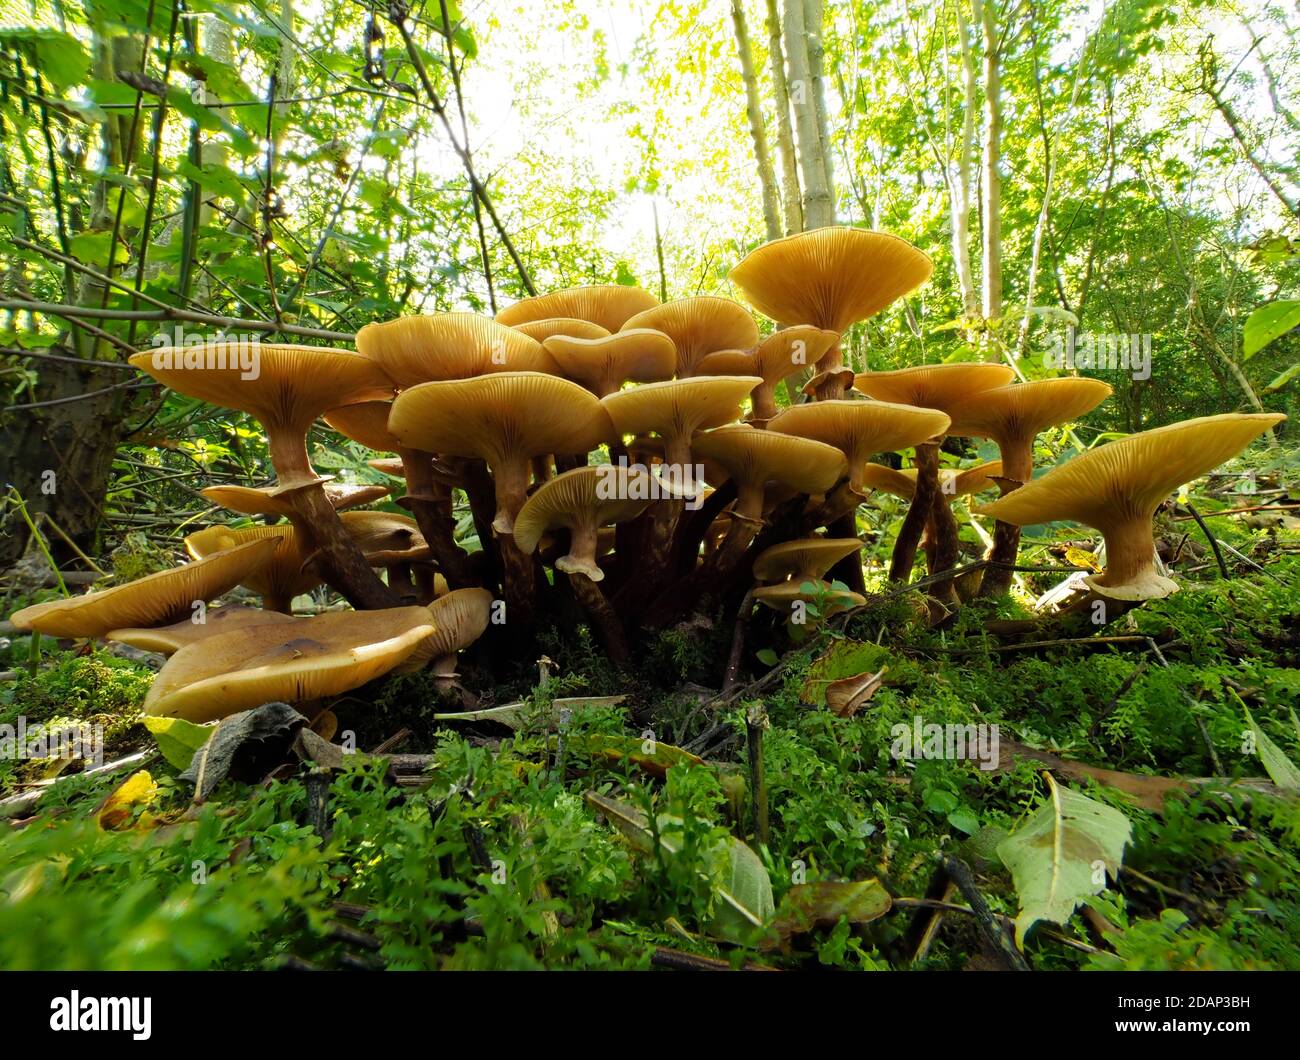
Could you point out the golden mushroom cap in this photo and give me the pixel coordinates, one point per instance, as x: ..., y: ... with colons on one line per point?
x: 365, y: 422
x: 265, y: 500
x: 860, y: 428
x: 460, y: 616
x: 933, y: 386
x: 753, y: 457
x: 609, y: 305
x: 958, y: 482
x: 167, y: 640
x: 388, y: 465
x: 805, y: 558
x: 604, y: 364
x: 699, y: 326
x: 587, y: 497
x: 311, y: 658
x: 1022, y: 410
x: 677, y: 408
x: 792, y: 349
x: 728, y: 362
x: 783, y: 595
x: 438, y: 346
x: 284, y: 575
x: 285, y: 385
x: 154, y: 600
x: 570, y: 327
x: 880, y: 477
x: 1118, y: 486
x: 830, y: 277
x: 499, y: 416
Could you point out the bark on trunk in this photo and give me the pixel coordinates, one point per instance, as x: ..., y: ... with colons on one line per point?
x: 792, y: 196
x: 817, y: 208
x: 754, y: 111
x: 992, y: 178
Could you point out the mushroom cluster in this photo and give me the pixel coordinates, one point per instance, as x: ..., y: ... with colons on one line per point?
x: 619, y: 457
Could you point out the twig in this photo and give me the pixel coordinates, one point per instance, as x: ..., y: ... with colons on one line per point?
x: 1214, y: 541
x: 74, y: 312
x: 990, y: 927
x: 755, y: 723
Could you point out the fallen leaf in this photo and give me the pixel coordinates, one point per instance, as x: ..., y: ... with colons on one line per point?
x: 178, y: 739
x: 115, y: 812
x: 1063, y: 854
x: 244, y: 746
x: 616, y: 749
x: 821, y: 905
x: 515, y: 715
x: 745, y: 896
x: 848, y: 695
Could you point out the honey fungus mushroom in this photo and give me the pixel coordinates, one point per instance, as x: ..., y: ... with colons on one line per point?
x: 506, y: 419
x: 153, y: 600
x: 931, y: 386
x: 286, y: 390
x: 168, y: 640
x: 460, y: 616
x: 420, y: 349
x: 603, y: 365
x: 295, y: 662
x: 1117, y: 487
x: 1013, y: 416
x: 698, y: 326
x: 608, y: 306
x: 830, y: 278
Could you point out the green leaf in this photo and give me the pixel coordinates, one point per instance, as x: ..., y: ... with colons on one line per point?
x: 213, y: 176
x: 1063, y: 854
x: 1281, y: 770
x: 1269, y: 322
x: 767, y: 657
x: 93, y: 248
x: 178, y: 739
x: 821, y: 905
x: 745, y: 896
x: 1282, y: 379
x: 60, y: 57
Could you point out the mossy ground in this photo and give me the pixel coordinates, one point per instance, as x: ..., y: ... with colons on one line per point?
x: 500, y: 863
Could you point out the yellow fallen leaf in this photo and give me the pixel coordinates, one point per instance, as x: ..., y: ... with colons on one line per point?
x: 138, y: 789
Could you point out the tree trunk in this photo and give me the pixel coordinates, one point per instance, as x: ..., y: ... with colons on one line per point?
x: 961, y: 197
x: 792, y: 196
x: 817, y: 209
x: 992, y: 178
x: 814, y: 16
x: 766, y: 177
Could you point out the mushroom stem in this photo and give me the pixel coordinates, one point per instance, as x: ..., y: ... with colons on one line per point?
x: 519, y: 585
x: 849, y: 569
x: 402, y: 582
x: 288, y: 451
x: 511, y: 479
x: 581, y: 556
x: 909, y: 534
x: 832, y: 387
x: 430, y: 502
x: 1017, y: 469
x: 342, y: 562
x: 738, y: 642
x: 944, y: 543
x: 482, y: 504
x: 764, y: 399
x: 607, y: 624
x: 1130, y: 552
x: 280, y: 602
